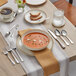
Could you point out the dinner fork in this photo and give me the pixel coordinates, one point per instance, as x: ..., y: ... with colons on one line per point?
x: 6, y: 53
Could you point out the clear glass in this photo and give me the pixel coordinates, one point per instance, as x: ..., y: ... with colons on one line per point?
x: 58, y: 18
x: 21, y: 5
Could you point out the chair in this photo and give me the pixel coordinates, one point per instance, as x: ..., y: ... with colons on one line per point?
x: 69, y: 9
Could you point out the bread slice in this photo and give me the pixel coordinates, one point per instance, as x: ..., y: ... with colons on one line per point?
x: 35, y: 18
x: 34, y: 14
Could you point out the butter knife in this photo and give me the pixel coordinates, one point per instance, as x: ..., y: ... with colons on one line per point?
x: 55, y: 37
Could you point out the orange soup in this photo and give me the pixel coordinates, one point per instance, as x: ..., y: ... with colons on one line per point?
x: 36, y: 40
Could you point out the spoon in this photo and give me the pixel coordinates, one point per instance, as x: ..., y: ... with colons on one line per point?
x: 64, y: 33
x: 8, y: 33
x: 57, y: 32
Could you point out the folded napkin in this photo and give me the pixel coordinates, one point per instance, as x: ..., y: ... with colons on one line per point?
x: 45, y: 58
x: 2, y: 2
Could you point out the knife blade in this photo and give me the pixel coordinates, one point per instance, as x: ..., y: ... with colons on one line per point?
x: 56, y: 38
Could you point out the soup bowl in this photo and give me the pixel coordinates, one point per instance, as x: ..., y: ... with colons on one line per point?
x: 35, y: 39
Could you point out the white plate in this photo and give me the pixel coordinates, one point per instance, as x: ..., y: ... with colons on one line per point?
x: 19, y: 46
x: 43, y: 14
x: 35, y: 2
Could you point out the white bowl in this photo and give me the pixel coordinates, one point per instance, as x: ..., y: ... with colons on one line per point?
x: 32, y: 31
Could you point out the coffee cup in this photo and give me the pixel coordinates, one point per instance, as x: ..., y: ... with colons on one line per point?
x: 6, y: 13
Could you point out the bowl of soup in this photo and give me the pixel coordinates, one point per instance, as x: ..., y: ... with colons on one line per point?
x: 6, y: 12
x: 35, y: 39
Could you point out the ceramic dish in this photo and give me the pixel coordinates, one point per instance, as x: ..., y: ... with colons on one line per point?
x: 35, y: 2
x: 11, y: 19
x: 35, y: 39
x: 42, y: 13
x: 20, y: 47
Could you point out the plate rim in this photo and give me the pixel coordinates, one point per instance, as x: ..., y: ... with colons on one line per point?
x: 36, y: 4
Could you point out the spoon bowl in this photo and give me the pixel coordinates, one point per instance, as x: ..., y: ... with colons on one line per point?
x: 58, y: 33
x: 64, y: 33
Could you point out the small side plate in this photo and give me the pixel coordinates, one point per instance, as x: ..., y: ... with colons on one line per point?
x: 43, y: 14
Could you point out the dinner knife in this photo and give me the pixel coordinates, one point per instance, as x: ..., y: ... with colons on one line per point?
x: 55, y: 37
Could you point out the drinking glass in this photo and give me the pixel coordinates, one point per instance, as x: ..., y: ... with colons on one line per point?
x: 58, y: 18
x: 21, y: 5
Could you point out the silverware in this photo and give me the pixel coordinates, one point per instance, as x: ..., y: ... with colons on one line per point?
x: 57, y: 33
x: 14, y: 48
x: 55, y: 37
x: 64, y: 33
x: 13, y: 54
x: 6, y: 53
x: 8, y: 33
x: 18, y: 54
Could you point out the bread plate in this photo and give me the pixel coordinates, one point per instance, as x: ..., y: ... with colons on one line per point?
x: 42, y: 19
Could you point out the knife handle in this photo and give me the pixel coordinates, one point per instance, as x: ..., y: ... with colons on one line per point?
x: 61, y: 44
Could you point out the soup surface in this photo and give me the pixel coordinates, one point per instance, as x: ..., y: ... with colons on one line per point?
x: 6, y: 11
x: 36, y: 40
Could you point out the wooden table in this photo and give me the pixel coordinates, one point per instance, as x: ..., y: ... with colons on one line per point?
x: 17, y: 70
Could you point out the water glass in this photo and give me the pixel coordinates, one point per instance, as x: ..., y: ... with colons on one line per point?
x: 58, y: 18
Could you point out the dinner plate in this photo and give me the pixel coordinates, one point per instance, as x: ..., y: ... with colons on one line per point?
x: 35, y: 2
x: 19, y: 46
x: 42, y: 13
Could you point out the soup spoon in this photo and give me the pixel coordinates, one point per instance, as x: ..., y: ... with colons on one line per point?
x: 57, y: 32
x: 64, y: 33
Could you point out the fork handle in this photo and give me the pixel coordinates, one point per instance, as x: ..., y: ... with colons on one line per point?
x: 12, y: 52
x: 11, y: 60
x: 19, y: 55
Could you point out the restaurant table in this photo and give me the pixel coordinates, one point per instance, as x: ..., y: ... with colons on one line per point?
x: 17, y: 70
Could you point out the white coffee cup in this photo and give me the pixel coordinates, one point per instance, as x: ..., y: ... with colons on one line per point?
x: 6, y: 13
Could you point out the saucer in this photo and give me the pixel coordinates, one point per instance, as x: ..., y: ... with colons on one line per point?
x: 9, y: 20
x: 42, y: 13
x: 20, y: 47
